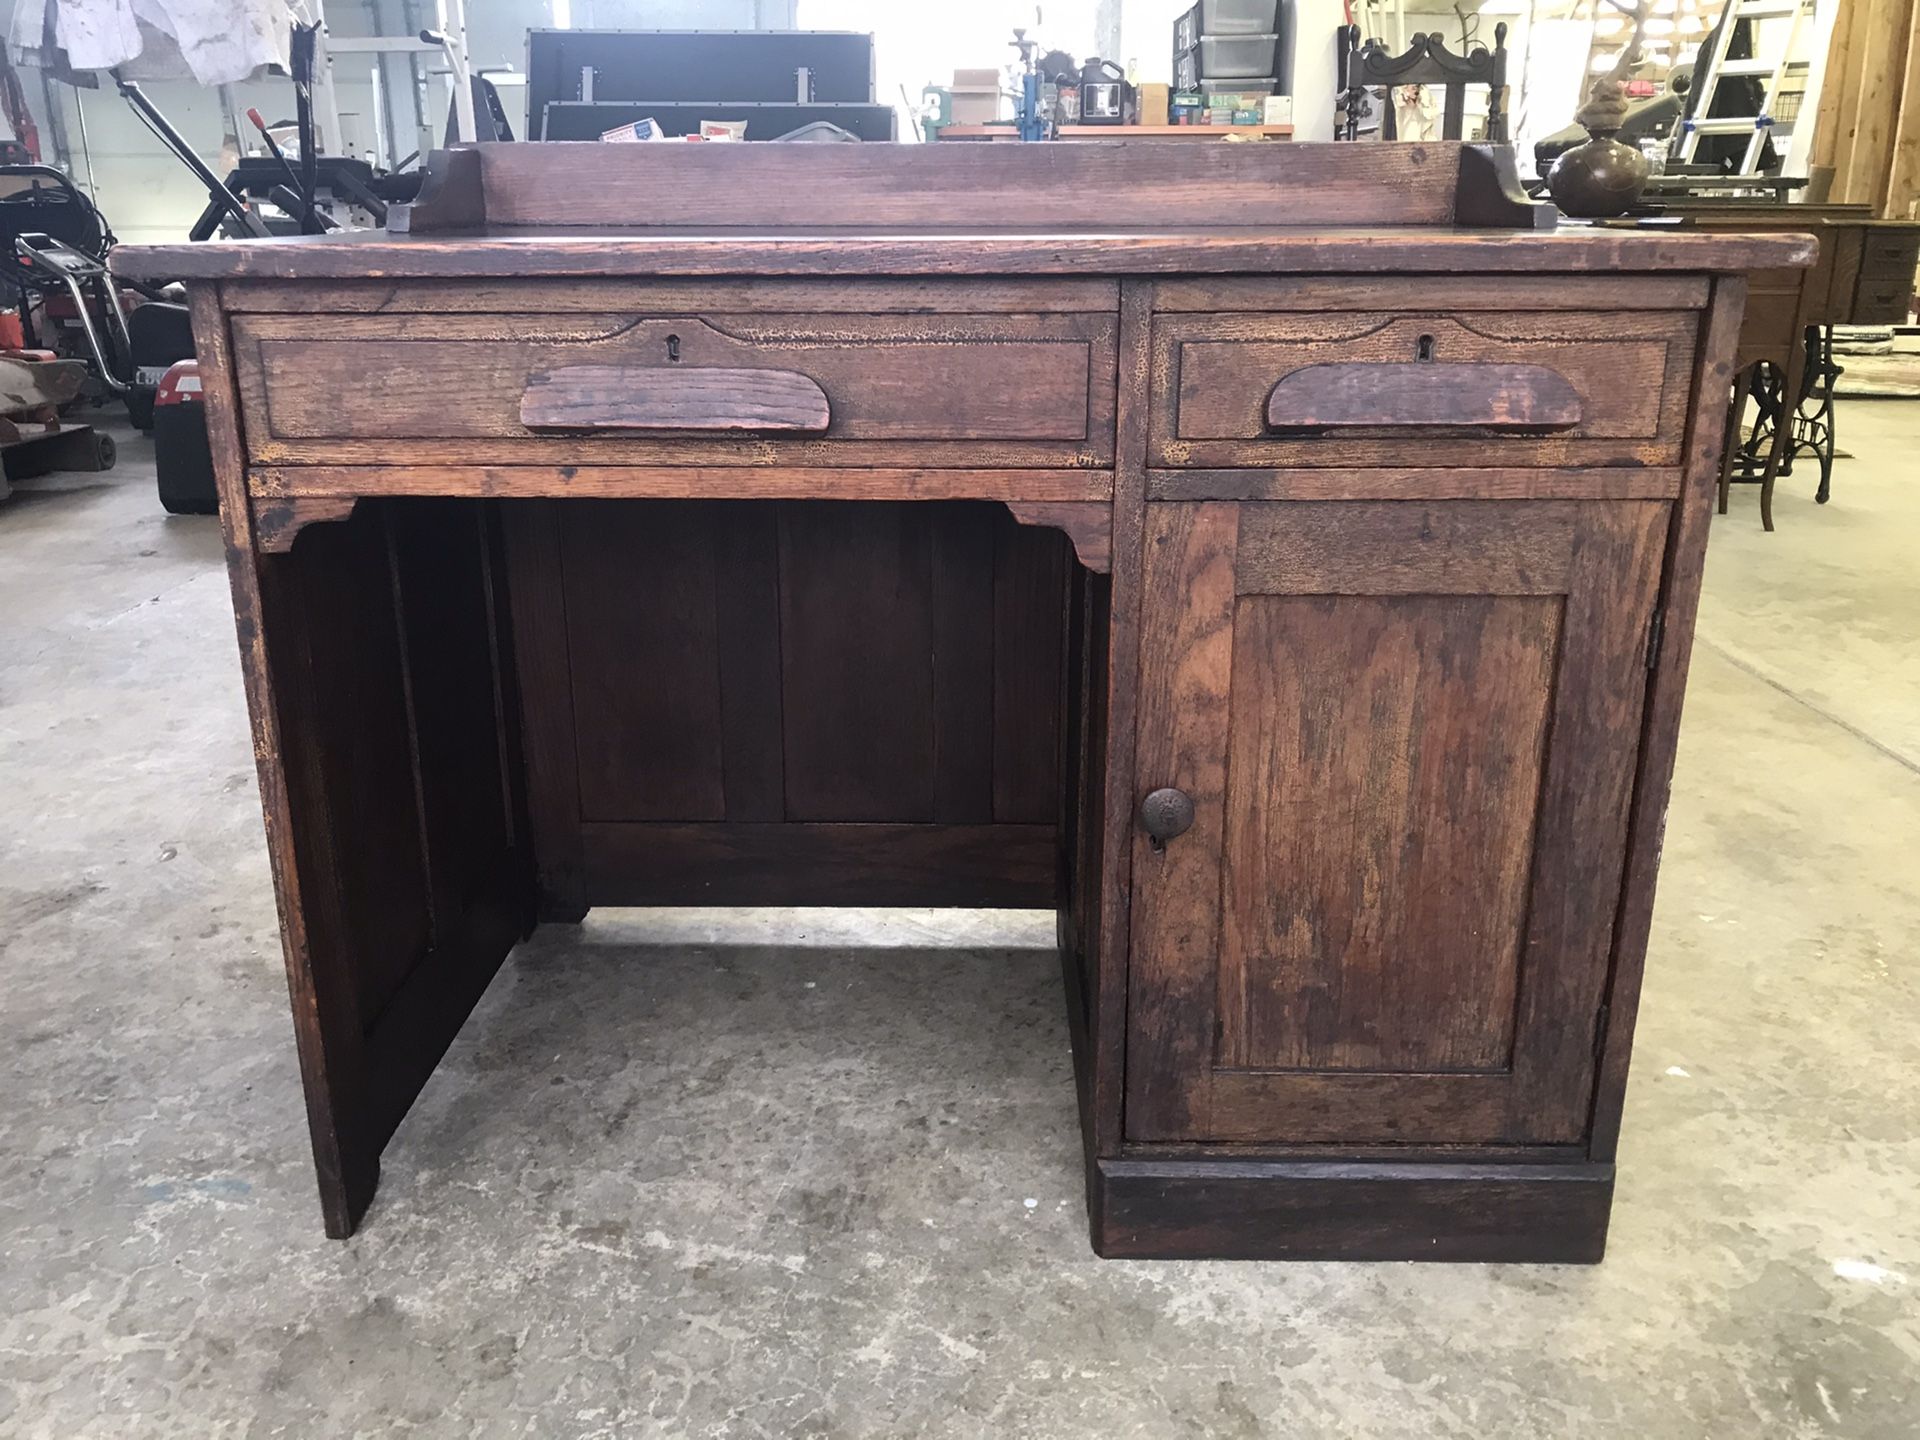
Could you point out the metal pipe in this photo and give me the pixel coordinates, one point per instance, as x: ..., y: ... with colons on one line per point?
x: 383, y: 90
x: 230, y: 121
x: 86, y: 150
x: 453, y: 26
x: 423, y: 136
x: 56, y: 124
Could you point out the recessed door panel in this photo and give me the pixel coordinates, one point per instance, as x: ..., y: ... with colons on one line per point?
x: 1384, y: 776
x: 1408, y: 732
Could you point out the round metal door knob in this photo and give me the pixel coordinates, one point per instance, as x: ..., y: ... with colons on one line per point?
x: 1166, y: 813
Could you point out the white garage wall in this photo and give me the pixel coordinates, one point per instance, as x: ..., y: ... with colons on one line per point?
x: 915, y: 45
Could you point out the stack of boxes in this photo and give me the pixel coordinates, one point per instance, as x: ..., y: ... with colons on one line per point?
x: 1232, y: 62
x: 976, y: 97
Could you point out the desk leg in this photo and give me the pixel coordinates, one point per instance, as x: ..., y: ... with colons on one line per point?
x: 1815, y: 428
x: 1783, y: 428
x: 1730, y: 452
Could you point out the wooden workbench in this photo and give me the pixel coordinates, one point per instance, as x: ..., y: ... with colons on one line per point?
x: 1300, y: 608
x: 1863, y: 274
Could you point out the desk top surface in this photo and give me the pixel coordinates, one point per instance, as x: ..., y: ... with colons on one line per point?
x: 1112, y: 208
x: 500, y: 251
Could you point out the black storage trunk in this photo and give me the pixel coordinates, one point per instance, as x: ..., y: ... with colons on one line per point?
x: 581, y: 83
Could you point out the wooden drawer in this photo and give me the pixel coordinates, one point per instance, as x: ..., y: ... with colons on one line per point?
x: 1883, y: 294
x: 1427, y: 384
x: 1890, y: 253
x: 1882, y: 301
x: 713, y: 387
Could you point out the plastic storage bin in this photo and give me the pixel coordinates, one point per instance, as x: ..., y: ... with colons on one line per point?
x: 1224, y: 17
x: 1237, y: 17
x: 1188, y: 79
x: 1233, y: 57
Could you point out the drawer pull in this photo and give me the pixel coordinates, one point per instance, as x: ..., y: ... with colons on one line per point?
x: 642, y: 397
x: 1357, y: 395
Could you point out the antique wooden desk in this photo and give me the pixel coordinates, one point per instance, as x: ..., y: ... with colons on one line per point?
x: 1297, y: 602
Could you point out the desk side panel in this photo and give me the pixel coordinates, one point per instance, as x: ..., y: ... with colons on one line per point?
x: 376, y: 682
x: 1685, y: 564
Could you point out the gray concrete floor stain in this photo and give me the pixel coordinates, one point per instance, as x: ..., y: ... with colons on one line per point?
x: 815, y: 1173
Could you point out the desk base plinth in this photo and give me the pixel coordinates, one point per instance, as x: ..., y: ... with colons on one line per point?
x: 1230, y: 1209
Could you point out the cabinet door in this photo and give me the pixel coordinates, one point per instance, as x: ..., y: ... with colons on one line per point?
x: 1408, y: 731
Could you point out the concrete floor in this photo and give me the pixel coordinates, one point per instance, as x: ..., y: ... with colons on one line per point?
x: 816, y: 1173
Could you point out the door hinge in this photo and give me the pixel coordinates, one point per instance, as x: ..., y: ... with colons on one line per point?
x: 1656, y: 628
x: 1600, y: 1030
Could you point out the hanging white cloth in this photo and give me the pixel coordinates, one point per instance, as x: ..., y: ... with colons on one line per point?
x: 1416, y: 116
x: 214, y: 42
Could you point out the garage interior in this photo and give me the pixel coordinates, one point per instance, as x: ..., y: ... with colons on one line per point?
x: 793, y: 1170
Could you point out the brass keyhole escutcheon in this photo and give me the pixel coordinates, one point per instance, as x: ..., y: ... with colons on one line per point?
x: 1423, y: 348
x: 673, y: 347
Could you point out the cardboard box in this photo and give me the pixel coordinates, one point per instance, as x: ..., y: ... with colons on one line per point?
x: 1155, y: 103
x: 975, y: 97
x: 648, y: 129
x: 1278, y: 110
x: 975, y: 109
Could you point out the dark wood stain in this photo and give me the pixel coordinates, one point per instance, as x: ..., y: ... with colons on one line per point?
x: 642, y: 646
x: 856, y: 631
x: 962, y: 559
x: 1029, y: 610
x: 750, y: 705
x: 543, y: 688
x: 821, y: 864
x: 1229, y: 1209
x: 746, y: 598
